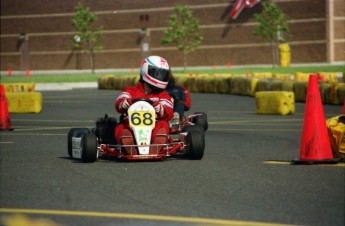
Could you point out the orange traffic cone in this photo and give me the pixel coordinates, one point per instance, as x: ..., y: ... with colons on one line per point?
x: 315, y: 145
x: 27, y: 73
x: 5, y: 122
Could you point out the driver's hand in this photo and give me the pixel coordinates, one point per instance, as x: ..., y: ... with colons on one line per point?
x: 158, y: 108
x: 125, y: 103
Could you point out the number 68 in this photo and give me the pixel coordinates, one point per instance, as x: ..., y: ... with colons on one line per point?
x: 141, y: 118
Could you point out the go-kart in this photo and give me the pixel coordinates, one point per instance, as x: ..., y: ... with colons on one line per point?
x: 90, y: 144
x: 198, y: 118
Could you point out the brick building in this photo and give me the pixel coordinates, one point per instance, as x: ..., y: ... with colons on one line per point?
x: 37, y: 34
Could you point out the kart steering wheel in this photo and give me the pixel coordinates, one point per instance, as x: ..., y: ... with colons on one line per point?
x: 142, y: 99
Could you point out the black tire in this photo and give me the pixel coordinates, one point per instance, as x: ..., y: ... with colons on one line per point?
x: 74, y: 132
x: 105, y: 128
x: 201, y: 120
x: 193, y: 127
x: 89, y: 147
x: 195, y: 145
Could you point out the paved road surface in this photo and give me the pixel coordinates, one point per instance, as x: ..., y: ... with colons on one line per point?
x: 235, y: 183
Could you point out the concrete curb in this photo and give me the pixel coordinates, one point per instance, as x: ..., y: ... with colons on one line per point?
x: 65, y: 86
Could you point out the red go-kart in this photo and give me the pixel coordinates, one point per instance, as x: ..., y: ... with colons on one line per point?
x: 90, y: 144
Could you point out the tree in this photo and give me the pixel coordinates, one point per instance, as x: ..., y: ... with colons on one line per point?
x: 272, y: 26
x: 85, y: 36
x: 183, y: 31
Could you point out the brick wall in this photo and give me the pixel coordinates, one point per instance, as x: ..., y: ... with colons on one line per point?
x: 48, y: 26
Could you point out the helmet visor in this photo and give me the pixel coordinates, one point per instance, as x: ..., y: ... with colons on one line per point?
x: 158, y: 73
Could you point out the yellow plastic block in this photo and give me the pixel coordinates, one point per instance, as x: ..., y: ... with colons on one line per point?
x: 281, y: 85
x: 19, y: 87
x: 262, y: 75
x: 285, y: 54
x: 251, y: 88
x: 106, y: 82
x: 275, y: 102
x: 281, y: 76
x: 263, y: 84
x: 223, y: 83
x: 340, y: 93
x: 239, y: 85
x: 181, y: 79
x: 209, y: 84
x: 329, y: 76
x: 332, y: 93
x: 25, y: 102
x: 336, y: 132
x: 300, y: 90
x: 301, y: 76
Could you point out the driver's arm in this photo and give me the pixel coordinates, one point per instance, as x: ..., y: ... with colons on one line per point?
x: 123, y: 101
x: 166, y: 102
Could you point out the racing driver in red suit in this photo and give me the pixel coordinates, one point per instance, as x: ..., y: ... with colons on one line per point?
x: 154, y: 75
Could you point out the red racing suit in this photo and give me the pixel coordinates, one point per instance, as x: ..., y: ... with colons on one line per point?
x: 139, y: 92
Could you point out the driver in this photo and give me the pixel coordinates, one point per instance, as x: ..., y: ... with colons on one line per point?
x: 181, y: 96
x: 154, y: 73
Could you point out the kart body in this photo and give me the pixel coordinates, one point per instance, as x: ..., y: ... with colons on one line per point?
x: 90, y: 144
x: 197, y: 118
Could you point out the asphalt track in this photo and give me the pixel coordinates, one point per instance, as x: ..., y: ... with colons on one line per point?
x: 244, y: 178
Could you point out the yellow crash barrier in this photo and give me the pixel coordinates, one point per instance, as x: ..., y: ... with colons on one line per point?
x: 275, y: 102
x: 25, y: 102
x: 19, y: 87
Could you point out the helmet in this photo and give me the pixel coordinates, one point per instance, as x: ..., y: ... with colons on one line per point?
x: 154, y: 70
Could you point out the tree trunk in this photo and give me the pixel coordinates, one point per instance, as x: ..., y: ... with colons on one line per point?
x: 185, y: 60
x: 92, y: 61
x: 275, y: 54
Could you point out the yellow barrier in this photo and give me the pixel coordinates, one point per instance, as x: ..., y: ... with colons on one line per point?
x: 19, y: 87
x: 300, y: 90
x: 263, y: 84
x: 336, y: 133
x: 223, y: 83
x: 24, y: 102
x: 332, y: 93
x: 106, y: 82
x: 283, y: 76
x: 239, y: 85
x: 275, y: 102
x: 329, y: 76
x: 302, y: 76
x: 285, y: 54
x: 281, y: 85
x: 262, y: 75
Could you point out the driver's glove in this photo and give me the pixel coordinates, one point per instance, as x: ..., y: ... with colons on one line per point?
x: 158, y: 108
x: 125, y: 103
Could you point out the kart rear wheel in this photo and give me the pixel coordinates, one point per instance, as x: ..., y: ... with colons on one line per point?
x: 74, y: 132
x: 89, y: 147
x: 201, y: 120
x: 195, y: 145
x: 193, y: 127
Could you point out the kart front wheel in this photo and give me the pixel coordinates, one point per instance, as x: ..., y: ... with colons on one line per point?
x: 74, y: 132
x: 89, y: 147
x: 196, y: 128
x: 195, y: 144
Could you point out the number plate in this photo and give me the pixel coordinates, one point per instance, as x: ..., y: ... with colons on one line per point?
x: 141, y: 118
